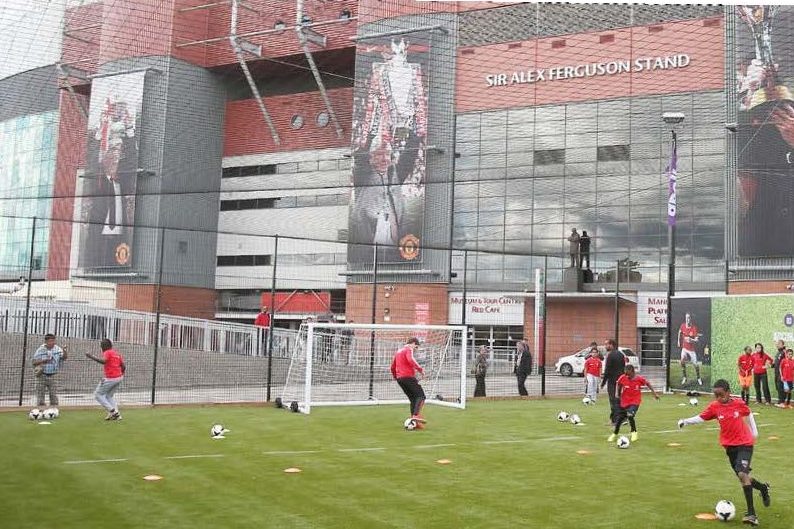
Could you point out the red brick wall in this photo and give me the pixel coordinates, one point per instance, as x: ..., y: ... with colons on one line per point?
x: 277, y: 44
x: 70, y: 156
x: 175, y: 300
x: 247, y: 133
x: 401, y: 302
x: 85, y: 23
x: 572, y: 324
x: 759, y: 287
x: 131, y: 28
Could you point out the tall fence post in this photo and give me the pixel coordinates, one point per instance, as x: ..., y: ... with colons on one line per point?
x: 540, y: 321
x: 374, y: 315
x: 272, y: 319
x: 27, y: 313
x: 157, y: 314
x: 617, y: 302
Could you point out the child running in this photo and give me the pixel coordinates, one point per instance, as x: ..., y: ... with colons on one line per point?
x: 629, y: 385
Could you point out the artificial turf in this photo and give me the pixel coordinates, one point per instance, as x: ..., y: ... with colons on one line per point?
x: 512, y: 464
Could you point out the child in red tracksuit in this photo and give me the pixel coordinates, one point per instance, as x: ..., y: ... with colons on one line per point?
x: 787, y: 376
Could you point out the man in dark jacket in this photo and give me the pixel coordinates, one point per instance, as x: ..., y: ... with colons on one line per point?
x: 614, y: 365
x: 781, y: 354
x: 523, y: 366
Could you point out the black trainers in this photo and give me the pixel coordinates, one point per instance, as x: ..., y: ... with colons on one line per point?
x: 765, y: 495
x: 115, y: 417
x: 750, y: 519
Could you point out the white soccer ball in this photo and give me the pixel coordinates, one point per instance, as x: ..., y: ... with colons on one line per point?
x: 693, y: 401
x: 410, y: 423
x: 575, y: 419
x: 55, y: 413
x: 217, y: 430
x: 48, y: 414
x: 623, y: 442
x: 562, y: 416
x: 725, y: 510
x: 587, y: 401
x: 35, y: 414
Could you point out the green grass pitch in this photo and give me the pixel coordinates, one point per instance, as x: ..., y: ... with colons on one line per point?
x: 512, y: 465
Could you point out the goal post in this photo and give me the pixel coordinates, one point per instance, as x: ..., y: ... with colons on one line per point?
x: 348, y: 364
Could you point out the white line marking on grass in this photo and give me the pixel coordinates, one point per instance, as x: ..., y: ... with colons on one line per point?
x: 87, y: 461
x: 360, y: 449
x: 435, y: 446
x: 290, y: 452
x: 666, y: 431
x: 508, y: 441
x: 564, y: 438
x: 195, y: 456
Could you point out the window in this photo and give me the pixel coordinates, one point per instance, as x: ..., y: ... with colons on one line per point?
x: 614, y: 153
x: 244, y: 260
x: 550, y: 157
x: 279, y: 24
x: 249, y: 203
x: 248, y: 170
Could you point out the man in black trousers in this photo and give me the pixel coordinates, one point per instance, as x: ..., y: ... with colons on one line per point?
x: 614, y: 365
x: 523, y: 366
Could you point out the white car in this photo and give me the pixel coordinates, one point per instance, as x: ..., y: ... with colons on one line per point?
x: 574, y: 364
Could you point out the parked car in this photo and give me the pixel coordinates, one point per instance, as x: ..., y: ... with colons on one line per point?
x: 574, y: 364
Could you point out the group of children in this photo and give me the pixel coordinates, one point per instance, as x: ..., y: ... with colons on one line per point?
x: 738, y: 430
x: 752, y: 365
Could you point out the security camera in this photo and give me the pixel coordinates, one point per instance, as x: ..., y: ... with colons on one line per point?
x: 673, y: 118
x: 731, y: 127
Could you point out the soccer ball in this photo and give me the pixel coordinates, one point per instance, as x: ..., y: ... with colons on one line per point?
x: 575, y: 419
x: 587, y: 401
x: 217, y: 430
x: 35, y: 414
x: 623, y: 442
x: 55, y: 413
x: 725, y: 510
x: 410, y: 423
x: 693, y: 401
x: 562, y: 416
x: 48, y: 414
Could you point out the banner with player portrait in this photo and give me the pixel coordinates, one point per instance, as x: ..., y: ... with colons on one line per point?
x: 388, y: 144
x: 691, y: 352
x: 108, y: 198
x: 739, y: 321
x: 765, y: 130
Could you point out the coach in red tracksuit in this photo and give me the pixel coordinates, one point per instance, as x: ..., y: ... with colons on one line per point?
x: 404, y: 369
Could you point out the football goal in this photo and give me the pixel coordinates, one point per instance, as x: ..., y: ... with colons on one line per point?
x: 338, y: 364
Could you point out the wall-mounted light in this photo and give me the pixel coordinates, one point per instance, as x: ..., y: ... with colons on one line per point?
x: 386, y: 314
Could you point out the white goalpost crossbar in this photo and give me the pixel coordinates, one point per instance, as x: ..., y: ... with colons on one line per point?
x: 338, y: 364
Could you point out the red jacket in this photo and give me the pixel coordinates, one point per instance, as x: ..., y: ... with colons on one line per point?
x: 787, y: 370
x: 760, y: 363
x: 403, y: 364
x: 262, y: 320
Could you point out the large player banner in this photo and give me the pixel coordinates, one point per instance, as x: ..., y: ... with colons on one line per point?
x: 108, y: 202
x: 692, y: 351
x: 765, y: 132
x: 388, y: 142
x: 720, y: 328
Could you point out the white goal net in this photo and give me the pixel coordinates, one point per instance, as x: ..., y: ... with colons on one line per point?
x: 349, y: 364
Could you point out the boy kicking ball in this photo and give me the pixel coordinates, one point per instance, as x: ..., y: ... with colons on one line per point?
x: 737, y: 435
x: 628, y: 391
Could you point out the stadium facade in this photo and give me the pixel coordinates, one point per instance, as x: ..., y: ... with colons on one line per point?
x: 492, y: 129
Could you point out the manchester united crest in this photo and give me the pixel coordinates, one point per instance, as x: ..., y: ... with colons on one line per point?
x: 123, y: 254
x: 409, y: 247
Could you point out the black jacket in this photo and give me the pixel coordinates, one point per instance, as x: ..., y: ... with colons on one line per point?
x: 778, y: 357
x: 614, y: 366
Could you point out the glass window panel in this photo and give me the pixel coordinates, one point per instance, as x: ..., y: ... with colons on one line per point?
x: 466, y: 204
x: 518, y: 202
x: 490, y: 218
x: 589, y: 139
x: 492, y: 204
x: 492, y: 189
